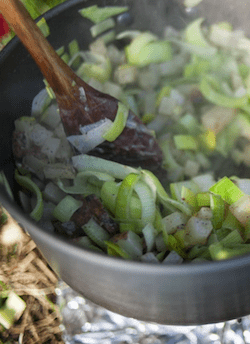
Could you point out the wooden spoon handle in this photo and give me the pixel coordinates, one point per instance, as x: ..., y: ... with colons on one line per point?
x: 57, y: 73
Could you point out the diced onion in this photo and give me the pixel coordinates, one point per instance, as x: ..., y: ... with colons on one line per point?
x: 91, y: 136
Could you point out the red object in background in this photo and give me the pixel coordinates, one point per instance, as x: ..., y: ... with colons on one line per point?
x: 4, y: 27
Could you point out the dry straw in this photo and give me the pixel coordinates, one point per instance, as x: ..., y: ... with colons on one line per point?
x: 24, y: 271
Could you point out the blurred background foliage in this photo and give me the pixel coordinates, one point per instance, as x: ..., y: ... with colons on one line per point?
x: 35, y: 8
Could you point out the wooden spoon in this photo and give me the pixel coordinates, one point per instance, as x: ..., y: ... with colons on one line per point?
x: 135, y: 146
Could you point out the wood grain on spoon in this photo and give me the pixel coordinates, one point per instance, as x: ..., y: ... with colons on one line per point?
x: 135, y: 146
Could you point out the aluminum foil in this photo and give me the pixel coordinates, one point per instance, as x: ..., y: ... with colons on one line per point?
x: 87, y: 323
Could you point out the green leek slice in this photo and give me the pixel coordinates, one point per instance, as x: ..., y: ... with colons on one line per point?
x: 228, y: 191
x: 97, y: 14
x: 96, y: 233
x: 124, y: 196
x: 215, y: 97
x: 119, y: 123
x: 86, y: 162
x: 27, y: 183
x: 86, y: 183
x: 66, y: 208
x: 148, y: 206
x: 43, y: 26
x: 218, y: 208
x: 102, y: 26
x: 115, y: 250
x: 194, y: 35
x: 5, y: 183
x: 184, y: 142
x: 232, y: 239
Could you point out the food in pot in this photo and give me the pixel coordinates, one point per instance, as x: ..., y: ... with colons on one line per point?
x: 191, y: 89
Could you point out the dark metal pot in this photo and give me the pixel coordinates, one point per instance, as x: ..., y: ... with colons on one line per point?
x: 186, y: 294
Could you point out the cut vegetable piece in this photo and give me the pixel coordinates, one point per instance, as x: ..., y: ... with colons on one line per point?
x: 108, y: 37
x: 198, y: 230
x: 194, y: 35
x: 167, y: 106
x: 50, y: 147
x: 173, y: 258
x: 158, y: 226
x: 204, y: 181
x: 92, y: 136
x: 190, y: 122
x: 86, y: 243
x: 124, y: 196
x: 169, y: 160
x: 126, y: 74
x: 203, y: 199
x: 211, y: 94
x: 148, y: 207
x: 191, y: 168
x: 207, y: 140
x: 205, y: 213
x: 96, y: 66
x: 97, y: 14
x: 232, y: 239
x: 115, y: 250
x: 231, y: 222
x: 59, y: 170
x: 218, y: 208
x: 149, y: 234
x: 44, y: 27
x: 39, y: 135
x: 51, y: 117
x: 86, y: 183
x: 196, y: 251
x: 204, y: 52
x: 217, y: 118
x: 52, y: 193
x: 113, y: 89
x: 90, y: 163
x: 222, y: 37
x: 27, y: 183
x: 132, y: 244
x: 133, y: 50
x: 5, y: 183
x: 66, y: 208
x: 99, y: 28
x: 228, y: 191
x: 108, y: 195
x: 243, y: 184
x: 175, y: 221
x: 218, y: 252
x: 96, y: 233
x: 40, y: 103
x: 149, y: 257
x: 176, y: 189
x: 60, y: 50
x: 25, y: 124
x: 119, y: 123
x: 191, y: 3
x: 241, y: 209
x: 188, y: 197
x: 153, y: 52
x: 176, y: 245
x: 161, y: 242
x: 185, y: 142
